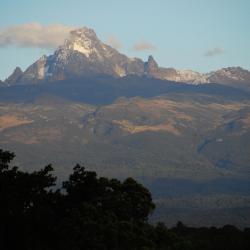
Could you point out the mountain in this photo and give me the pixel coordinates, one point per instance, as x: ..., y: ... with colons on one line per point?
x: 152, y: 69
x: 83, y: 54
x: 89, y: 104
x: 14, y: 77
x: 232, y: 76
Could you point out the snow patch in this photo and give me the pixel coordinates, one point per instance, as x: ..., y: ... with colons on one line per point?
x: 81, y: 49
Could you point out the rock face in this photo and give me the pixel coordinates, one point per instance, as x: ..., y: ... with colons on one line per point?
x: 84, y: 54
x: 232, y: 76
x: 152, y: 69
x: 14, y: 77
x: 151, y: 66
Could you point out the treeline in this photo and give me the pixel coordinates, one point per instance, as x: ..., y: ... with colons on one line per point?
x: 90, y: 212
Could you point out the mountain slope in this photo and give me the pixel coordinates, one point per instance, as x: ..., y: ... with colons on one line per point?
x: 167, y: 136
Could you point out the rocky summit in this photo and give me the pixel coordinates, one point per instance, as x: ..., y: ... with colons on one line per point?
x: 84, y: 54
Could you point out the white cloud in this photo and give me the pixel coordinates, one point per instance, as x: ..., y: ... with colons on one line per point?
x: 143, y: 46
x: 214, y: 52
x: 34, y: 35
x: 114, y: 42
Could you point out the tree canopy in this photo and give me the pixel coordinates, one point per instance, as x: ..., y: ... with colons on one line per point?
x: 91, y: 212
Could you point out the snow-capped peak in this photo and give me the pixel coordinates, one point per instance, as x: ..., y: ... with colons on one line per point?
x: 84, y: 54
x: 83, y: 40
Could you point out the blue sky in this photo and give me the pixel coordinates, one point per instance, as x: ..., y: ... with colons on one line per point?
x: 202, y: 35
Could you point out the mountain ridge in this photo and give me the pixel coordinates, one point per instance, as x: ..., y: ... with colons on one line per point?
x: 84, y: 54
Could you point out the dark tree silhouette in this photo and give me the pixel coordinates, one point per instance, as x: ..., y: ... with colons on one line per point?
x: 91, y: 212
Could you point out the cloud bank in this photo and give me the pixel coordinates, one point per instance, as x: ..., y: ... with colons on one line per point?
x: 34, y: 35
x: 114, y: 42
x: 214, y: 52
x: 143, y: 46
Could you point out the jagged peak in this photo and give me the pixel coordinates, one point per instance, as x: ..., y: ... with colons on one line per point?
x: 17, y: 73
x: 234, y: 69
x: 229, y: 69
x: 82, y: 33
x: 17, y: 70
x: 151, y: 65
x: 84, y: 37
x: 151, y: 59
x: 42, y: 58
x: 151, y: 62
x: 83, y: 40
x: 83, y: 50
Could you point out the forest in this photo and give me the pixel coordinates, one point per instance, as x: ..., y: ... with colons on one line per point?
x: 92, y: 212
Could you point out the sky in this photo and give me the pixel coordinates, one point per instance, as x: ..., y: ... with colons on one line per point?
x: 202, y: 35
